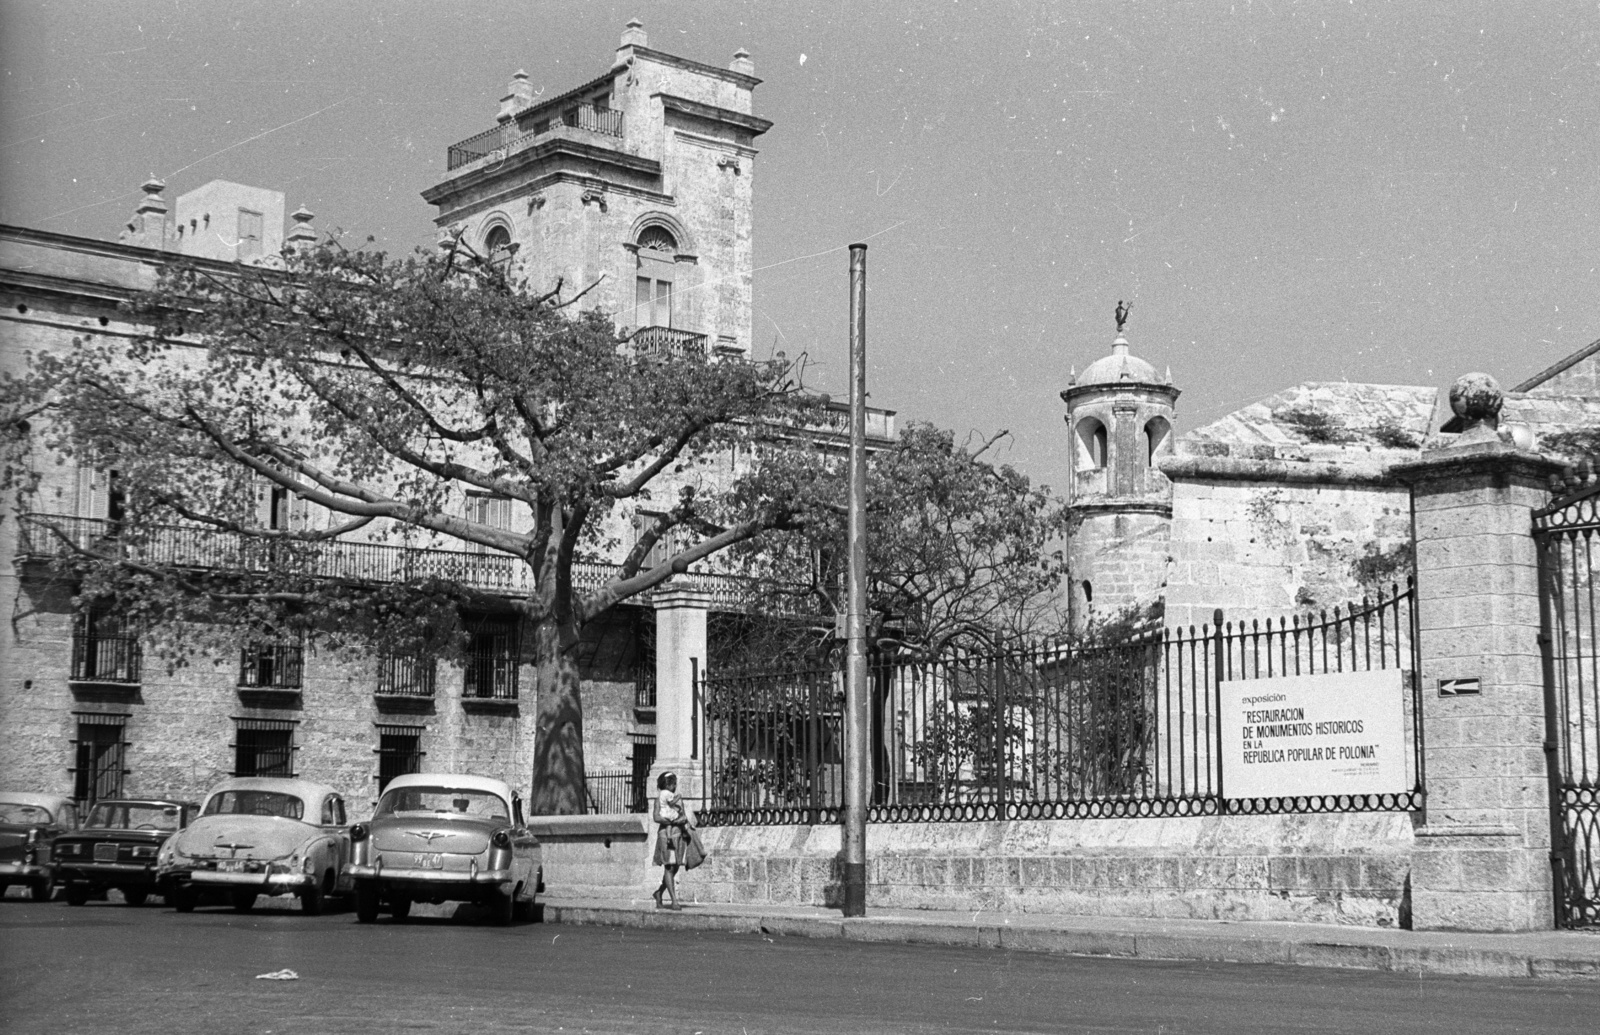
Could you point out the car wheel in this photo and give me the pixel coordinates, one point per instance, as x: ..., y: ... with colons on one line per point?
x: 243, y: 901
x: 366, y: 901
x: 42, y: 892
x: 501, y: 907
x: 314, y: 897
x: 182, y: 898
x: 525, y: 908
x: 400, y: 907
x: 75, y: 894
x: 134, y: 898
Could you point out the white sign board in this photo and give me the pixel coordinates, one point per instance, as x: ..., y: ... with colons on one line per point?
x: 1340, y: 733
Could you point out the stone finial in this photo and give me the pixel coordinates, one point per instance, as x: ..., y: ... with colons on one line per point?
x: 741, y: 63
x: 634, y: 35
x: 148, y: 227
x: 302, y: 233
x: 519, y: 95
x: 152, y: 201
x: 1476, y: 398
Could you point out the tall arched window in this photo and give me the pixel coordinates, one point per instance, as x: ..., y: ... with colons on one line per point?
x: 658, y: 251
x: 497, y: 245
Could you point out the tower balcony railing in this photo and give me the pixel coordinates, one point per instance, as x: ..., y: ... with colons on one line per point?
x: 669, y: 340
x: 525, y: 131
x: 44, y: 537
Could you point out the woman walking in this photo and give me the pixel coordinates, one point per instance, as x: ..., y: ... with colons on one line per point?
x: 672, y: 834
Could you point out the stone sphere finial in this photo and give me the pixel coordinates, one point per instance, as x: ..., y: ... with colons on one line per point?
x: 1476, y: 398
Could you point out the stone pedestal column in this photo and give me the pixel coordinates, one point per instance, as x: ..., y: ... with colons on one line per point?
x: 680, y: 647
x: 1482, y: 855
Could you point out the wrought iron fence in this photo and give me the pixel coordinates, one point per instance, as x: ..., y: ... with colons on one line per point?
x: 276, y: 666
x: 1129, y: 728
x: 615, y: 791
x: 668, y: 340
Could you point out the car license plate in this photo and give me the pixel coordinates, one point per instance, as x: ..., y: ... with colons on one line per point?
x: 105, y: 853
x: 430, y: 861
x: 230, y: 866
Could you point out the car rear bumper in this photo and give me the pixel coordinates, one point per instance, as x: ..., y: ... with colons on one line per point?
x: 17, y: 872
x: 269, y: 883
x: 466, y: 879
x: 110, y: 874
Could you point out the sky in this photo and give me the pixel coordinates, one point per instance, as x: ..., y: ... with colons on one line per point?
x: 1380, y: 192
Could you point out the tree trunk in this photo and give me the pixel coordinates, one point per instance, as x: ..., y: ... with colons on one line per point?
x: 558, y: 783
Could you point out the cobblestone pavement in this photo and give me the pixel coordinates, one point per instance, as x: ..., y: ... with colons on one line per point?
x: 108, y: 967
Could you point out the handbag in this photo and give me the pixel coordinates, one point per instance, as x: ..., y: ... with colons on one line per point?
x: 694, y: 853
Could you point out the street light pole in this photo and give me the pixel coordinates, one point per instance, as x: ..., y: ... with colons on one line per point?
x: 858, y: 724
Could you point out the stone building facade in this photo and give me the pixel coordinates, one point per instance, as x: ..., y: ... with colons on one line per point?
x: 634, y: 191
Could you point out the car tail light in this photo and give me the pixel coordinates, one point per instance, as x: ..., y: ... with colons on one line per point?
x: 501, y: 839
x: 360, y: 832
x: 144, y: 851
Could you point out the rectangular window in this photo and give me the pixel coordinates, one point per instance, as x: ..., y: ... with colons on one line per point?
x: 100, y: 758
x: 101, y: 495
x: 105, y: 648
x: 399, y: 752
x: 273, y: 666
x: 250, y: 224
x: 263, y: 747
x: 490, y: 660
x: 407, y: 675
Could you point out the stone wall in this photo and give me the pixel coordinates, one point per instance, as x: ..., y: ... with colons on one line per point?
x: 1345, y: 869
x: 1259, y: 545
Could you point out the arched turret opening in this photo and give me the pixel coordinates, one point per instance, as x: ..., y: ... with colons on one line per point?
x: 1093, y: 444
x: 1156, y: 433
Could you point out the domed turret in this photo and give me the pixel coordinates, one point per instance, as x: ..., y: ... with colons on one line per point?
x: 1119, y: 412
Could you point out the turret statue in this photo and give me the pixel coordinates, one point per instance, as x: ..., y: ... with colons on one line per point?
x: 1122, y: 313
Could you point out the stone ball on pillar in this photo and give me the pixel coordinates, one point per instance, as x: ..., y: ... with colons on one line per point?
x: 1476, y: 397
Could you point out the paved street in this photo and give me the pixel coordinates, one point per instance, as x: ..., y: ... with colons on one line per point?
x: 106, y: 967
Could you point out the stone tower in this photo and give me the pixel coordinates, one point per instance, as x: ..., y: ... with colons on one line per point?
x: 1119, y: 416
x: 633, y: 188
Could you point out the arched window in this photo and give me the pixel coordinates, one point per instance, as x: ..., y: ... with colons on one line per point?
x: 1092, y: 444
x: 497, y: 245
x: 1155, y: 436
x: 658, y: 251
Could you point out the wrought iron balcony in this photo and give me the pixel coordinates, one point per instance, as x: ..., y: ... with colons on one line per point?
x: 524, y: 131
x: 43, y: 537
x: 667, y: 340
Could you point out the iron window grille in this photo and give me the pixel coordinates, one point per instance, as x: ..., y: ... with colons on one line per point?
x: 272, y: 666
x: 399, y: 752
x: 264, y: 747
x: 407, y: 675
x: 105, y: 647
x: 490, y: 660
x: 100, y: 752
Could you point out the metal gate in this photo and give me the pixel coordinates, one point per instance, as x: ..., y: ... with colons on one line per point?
x: 1570, y: 642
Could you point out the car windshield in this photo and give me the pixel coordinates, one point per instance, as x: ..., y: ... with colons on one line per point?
x: 23, y: 815
x: 129, y: 815
x: 446, y: 801
x: 255, y: 803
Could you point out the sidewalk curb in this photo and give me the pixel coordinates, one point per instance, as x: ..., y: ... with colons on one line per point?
x: 1226, y: 946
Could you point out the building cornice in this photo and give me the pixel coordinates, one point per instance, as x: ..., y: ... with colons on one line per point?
x: 1242, y: 469
x: 1119, y: 388
x: 554, y: 149
x: 711, y: 113
x: 749, y: 82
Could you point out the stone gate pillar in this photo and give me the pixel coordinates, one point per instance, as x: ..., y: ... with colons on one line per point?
x: 1481, y: 861
x: 680, y: 647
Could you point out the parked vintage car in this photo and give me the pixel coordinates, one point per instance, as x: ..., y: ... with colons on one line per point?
x: 117, y: 848
x: 29, y: 825
x: 259, y: 836
x: 438, y: 837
